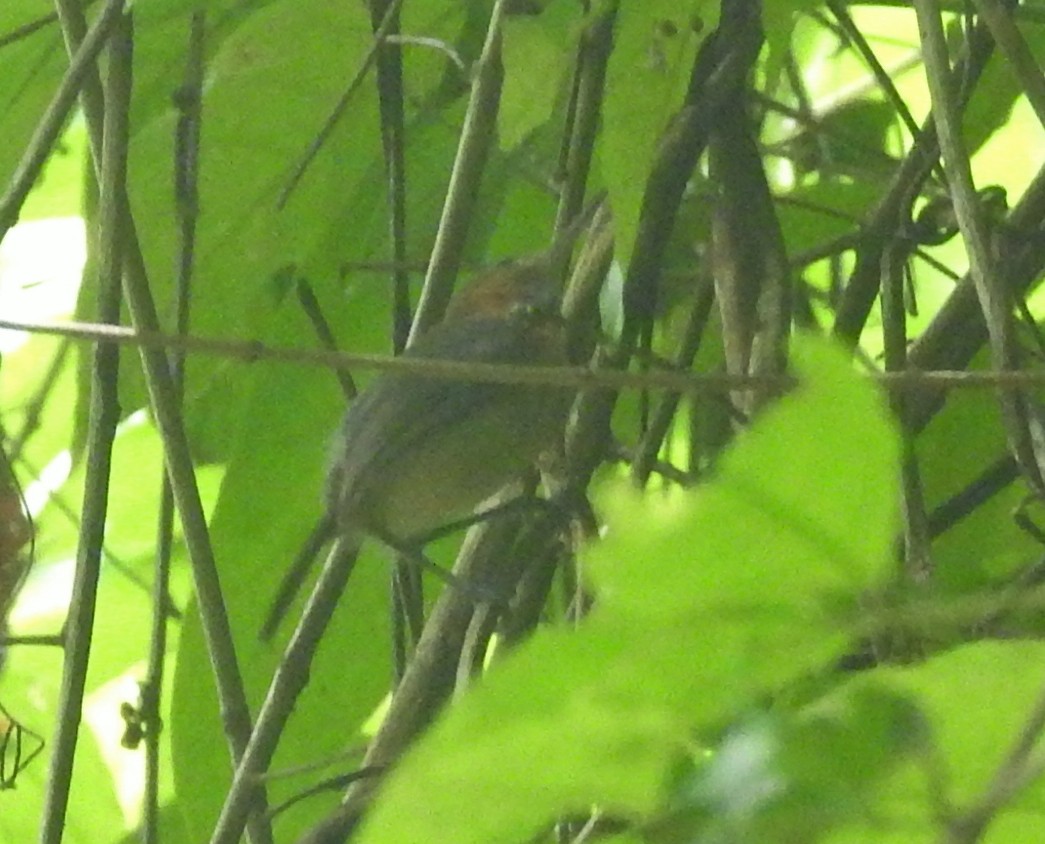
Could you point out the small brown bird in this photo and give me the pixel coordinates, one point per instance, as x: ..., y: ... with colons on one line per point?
x: 413, y: 452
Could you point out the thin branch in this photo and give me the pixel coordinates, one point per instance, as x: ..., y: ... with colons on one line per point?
x: 339, y: 110
x: 188, y: 98
x: 999, y: 19
x: 991, y: 286
x: 384, y: 17
x: 310, y: 305
x: 103, y: 418
x: 34, y: 407
x: 884, y: 80
x: 404, y: 583
x: 287, y: 683
x: 882, y: 223
x: 53, y: 640
x: 431, y: 43
x: 1017, y: 771
x: 585, y: 117
x: 27, y: 29
x: 477, y: 137
x: 649, y: 446
x: 561, y: 376
x: 917, y: 557
x: 50, y: 124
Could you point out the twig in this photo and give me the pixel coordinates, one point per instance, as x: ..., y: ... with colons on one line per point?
x: 290, y: 678
x: 50, y: 125
x: 404, y: 584
x: 917, y: 556
x: 54, y: 640
x: 477, y: 136
x: 999, y: 19
x: 34, y: 407
x: 103, y: 417
x: 586, y: 115
x: 310, y: 305
x: 339, y: 110
x: 384, y: 18
x: 883, y: 223
x: 560, y: 376
x: 884, y: 80
x: 1017, y: 770
x: 188, y: 99
x: 27, y: 29
x: 649, y: 446
x: 991, y: 286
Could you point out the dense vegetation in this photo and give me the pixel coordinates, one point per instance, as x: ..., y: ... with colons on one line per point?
x: 790, y: 614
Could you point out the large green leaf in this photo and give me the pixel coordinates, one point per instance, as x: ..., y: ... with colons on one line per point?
x: 706, y: 601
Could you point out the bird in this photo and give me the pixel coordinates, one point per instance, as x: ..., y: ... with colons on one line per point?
x: 413, y: 453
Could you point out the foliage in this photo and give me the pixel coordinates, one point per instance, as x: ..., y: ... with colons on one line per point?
x: 812, y: 617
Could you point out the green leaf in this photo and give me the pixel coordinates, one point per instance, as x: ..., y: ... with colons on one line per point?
x: 59, y: 191
x: 987, y: 543
x: 29, y: 691
x: 703, y: 607
x: 536, y: 57
x: 263, y: 105
x: 792, y: 777
x: 975, y: 700
x: 797, y: 511
x: 33, y: 65
x: 654, y: 46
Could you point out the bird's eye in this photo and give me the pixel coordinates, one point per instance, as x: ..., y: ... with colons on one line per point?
x: 525, y: 311
x: 534, y: 312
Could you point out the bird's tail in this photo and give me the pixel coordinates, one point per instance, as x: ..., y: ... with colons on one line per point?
x: 295, y: 576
